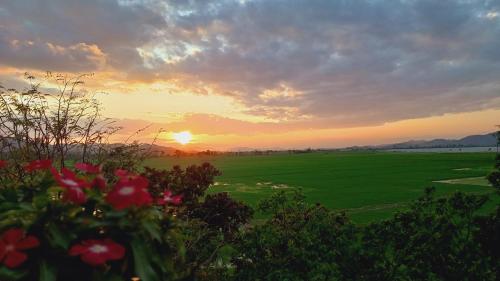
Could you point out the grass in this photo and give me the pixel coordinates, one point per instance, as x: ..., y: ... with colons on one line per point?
x: 368, y: 185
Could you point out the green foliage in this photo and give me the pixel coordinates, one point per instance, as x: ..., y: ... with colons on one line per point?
x: 192, y: 182
x: 494, y: 179
x: 223, y: 214
x: 122, y: 156
x: 435, y: 239
x: 488, y: 236
x: 299, y: 242
x: 213, y: 219
x: 494, y: 176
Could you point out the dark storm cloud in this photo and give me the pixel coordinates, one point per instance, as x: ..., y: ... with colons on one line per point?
x: 350, y: 62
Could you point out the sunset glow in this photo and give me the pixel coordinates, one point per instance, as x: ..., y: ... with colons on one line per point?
x: 182, y: 137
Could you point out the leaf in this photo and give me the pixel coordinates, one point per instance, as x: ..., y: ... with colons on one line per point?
x: 9, y: 194
x: 40, y: 201
x: 26, y: 207
x: 115, y: 214
x: 142, y: 260
x: 10, y: 275
x: 8, y: 206
x: 48, y: 272
x: 59, y: 238
x: 105, y: 276
x: 153, y: 229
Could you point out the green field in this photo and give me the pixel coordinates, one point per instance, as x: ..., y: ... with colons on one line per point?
x: 367, y: 185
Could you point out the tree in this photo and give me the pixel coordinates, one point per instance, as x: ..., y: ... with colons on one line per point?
x: 494, y: 177
x: 51, y: 123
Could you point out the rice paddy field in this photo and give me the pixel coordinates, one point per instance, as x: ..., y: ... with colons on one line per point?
x: 367, y: 185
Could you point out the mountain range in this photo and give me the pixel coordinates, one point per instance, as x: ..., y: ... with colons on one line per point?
x: 486, y: 140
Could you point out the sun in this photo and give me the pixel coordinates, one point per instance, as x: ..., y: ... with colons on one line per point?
x: 183, y: 137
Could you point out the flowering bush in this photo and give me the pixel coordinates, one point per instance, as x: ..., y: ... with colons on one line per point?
x: 73, y: 225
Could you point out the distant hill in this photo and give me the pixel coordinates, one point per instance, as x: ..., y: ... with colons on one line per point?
x: 158, y: 150
x: 486, y: 140
x: 241, y: 149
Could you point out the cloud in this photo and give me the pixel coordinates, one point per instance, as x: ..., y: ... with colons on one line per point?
x: 37, y: 55
x: 349, y: 63
x: 355, y: 61
x: 113, y: 28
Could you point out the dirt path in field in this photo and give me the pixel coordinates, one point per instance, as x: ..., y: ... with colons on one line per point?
x: 479, y: 181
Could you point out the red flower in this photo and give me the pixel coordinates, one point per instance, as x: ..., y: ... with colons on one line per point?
x: 97, y: 252
x: 73, y: 185
x: 99, y: 182
x: 38, y: 165
x: 3, y: 164
x: 167, y: 198
x: 88, y: 168
x: 121, y: 173
x: 129, y: 192
x: 11, y: 243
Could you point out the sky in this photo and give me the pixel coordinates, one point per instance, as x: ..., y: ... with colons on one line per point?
x: 269, y: 73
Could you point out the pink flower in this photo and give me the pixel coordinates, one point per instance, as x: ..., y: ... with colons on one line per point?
x: 167, y: 198
x: 3, y: 164
x: 88, y: 168
x: 129, y: 192
x: 38, y: 165
x: 73, y: 185
x: 12, y: 242
x: 98, y: 252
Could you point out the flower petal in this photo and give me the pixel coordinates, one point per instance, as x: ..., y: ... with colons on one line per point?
x: 99, y: 182
x: 88, y: 168
x: 14, y: 259
x: 121, y: 173
x: 116, y: 251
x: 75, y: 195
x: 94, y: 259
x: 13, y: 235
x: 77, y: 250
x: 2, y: 250
x: 27, y: 243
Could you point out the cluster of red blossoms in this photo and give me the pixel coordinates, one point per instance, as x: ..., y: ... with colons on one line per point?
x: 130, y: 190
x: 14, y: 242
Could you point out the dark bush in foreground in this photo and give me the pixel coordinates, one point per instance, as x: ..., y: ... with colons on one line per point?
x: 435, y: 239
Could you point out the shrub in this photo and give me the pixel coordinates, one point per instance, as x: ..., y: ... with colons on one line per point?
x: 72, y: 225
x: 435, y: 239
x: 494, y: 176
x: 213, y: 219
x: 299, y: 242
